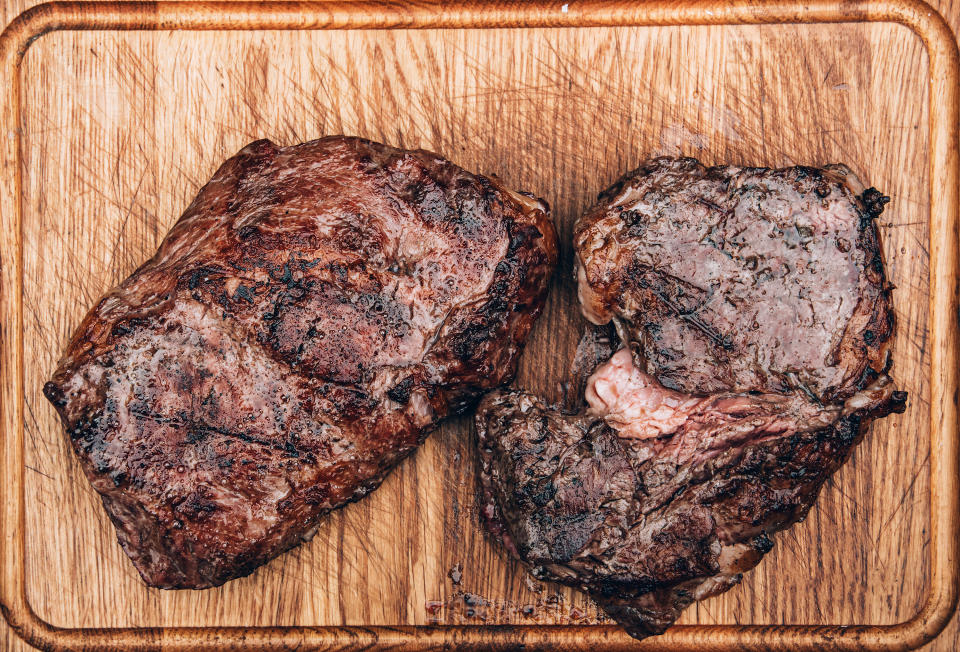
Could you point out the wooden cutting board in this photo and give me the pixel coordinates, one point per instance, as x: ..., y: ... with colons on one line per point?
x: 119, y: 131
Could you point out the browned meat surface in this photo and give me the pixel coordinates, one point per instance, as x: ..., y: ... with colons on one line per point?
x: 755, y: 321
x: 740, y: 279
x: 306, y: 323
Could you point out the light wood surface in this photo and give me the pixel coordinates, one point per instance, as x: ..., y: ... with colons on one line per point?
x: 119, y: 130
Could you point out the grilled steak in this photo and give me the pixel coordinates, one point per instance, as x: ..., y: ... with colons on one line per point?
x: 740, y: 279
x: 306, y: 323
x: 751, y: 323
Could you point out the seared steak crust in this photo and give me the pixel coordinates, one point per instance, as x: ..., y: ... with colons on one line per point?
x: 306, y: 323
x: 741, y: 279
x: 755, y: 321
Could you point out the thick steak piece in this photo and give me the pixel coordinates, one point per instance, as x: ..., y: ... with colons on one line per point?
x: 302, y: 328
x: 746, y: 345
x: 740, y: 279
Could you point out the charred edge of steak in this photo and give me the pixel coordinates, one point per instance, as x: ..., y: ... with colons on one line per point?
x: 513, y: 302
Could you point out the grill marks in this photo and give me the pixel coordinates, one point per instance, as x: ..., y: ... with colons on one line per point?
x: 290, y: 342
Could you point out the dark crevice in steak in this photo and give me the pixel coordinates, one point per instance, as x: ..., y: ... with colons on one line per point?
x: 756, y: 321
x: 306, y: 323
x: 596, y: 346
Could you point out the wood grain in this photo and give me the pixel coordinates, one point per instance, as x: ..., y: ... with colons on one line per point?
x: 119, y: 130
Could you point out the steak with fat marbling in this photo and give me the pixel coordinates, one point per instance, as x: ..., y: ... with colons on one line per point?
x: 747, y: 350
